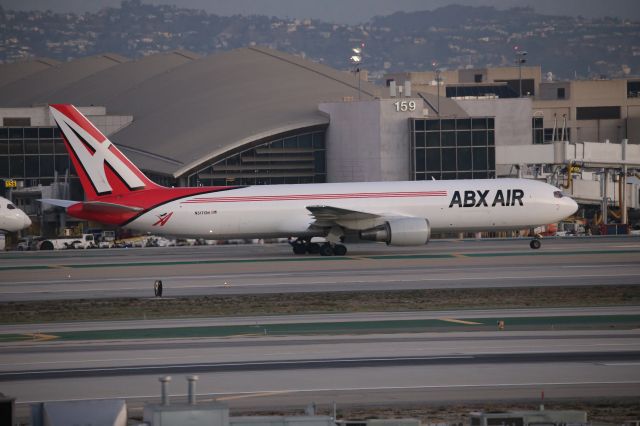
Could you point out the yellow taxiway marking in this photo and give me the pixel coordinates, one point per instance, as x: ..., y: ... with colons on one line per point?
x: 251, y: 395
x: 41, y: 337
x: 460, y: 321
x: 458, y: 255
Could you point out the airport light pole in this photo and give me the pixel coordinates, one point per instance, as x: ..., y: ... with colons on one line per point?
x: 519, y: 59
x: 356, y: 60
x: 437, y: 70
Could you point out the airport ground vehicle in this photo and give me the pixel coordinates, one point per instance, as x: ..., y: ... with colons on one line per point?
x: 29, y: 242
x: 84, y: 241
x: 397, y: 213
x: 103, y: 238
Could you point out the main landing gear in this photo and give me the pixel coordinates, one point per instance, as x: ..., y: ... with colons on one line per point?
x: 301, y: 246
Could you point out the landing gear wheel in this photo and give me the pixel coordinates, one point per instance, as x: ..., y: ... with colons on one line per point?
x: 299, y: 248
x: 535, y: 244
x: 313, y: 248
x: 326, y: 250
x: 339, y: 250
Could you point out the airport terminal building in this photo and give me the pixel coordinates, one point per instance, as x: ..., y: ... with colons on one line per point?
x: 256, y: 116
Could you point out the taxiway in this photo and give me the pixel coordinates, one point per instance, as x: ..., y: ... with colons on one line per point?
x: 253, y: 269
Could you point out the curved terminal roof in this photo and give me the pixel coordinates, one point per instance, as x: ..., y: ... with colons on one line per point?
x: 188, y: 109
x: 36, y: 88
x: 104, y: 86
x: 17, y: 70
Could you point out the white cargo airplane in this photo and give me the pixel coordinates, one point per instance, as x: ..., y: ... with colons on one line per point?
x: 12, y: 219
x: 397, y: 213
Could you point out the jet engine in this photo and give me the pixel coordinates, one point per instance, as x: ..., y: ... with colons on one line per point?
x: 410, y: 231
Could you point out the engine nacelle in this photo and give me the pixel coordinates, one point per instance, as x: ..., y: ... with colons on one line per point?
x: 410, y: 231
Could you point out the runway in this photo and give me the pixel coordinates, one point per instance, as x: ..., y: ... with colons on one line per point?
x: 255, y: 269
x: 289, y: 370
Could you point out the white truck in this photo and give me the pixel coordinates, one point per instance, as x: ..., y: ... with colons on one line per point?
x: 106, y: 239
x: 84, y: 242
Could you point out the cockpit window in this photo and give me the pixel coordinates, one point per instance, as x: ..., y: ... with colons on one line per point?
x: 11, y: 206
x: 558, y: 194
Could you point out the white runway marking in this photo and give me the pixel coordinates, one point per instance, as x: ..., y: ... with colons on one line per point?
x: 357, y: 389
x: 620, y: 364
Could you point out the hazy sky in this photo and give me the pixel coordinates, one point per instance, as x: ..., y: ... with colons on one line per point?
x: 346, y: 11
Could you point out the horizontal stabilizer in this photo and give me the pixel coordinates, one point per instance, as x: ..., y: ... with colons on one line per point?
x: 59, y: 203
x: 99, y: 206
x: 93, y: 206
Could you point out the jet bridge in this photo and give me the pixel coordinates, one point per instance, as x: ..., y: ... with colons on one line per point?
x: 593, y: 173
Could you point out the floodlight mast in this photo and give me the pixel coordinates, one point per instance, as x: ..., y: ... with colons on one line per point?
x: 437, y: 70
x: 356, y: 60
x: 519, y: 59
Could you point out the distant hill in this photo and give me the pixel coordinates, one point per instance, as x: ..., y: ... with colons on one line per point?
x: 454, y: 36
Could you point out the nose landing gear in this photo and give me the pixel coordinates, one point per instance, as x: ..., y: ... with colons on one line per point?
x: 535, y: 243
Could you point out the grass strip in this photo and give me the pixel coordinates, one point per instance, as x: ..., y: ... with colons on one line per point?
x: 330, y: 302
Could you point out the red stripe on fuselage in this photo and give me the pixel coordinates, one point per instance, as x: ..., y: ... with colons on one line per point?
x: 294, y: 197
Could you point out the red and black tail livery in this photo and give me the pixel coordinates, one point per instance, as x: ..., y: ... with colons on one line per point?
x: 101, y: 167
x: 116, y: 191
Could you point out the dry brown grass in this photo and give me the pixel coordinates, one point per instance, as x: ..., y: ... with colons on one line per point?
x: 297, y: 303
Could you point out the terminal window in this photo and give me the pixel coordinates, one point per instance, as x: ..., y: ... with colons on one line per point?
x: 598, y: 113
x: 453, y: 148
x: 34, y: 154
x: 528, y: 85
x: 537, y: 126
x: 299, y: 158
x: 633, y: 89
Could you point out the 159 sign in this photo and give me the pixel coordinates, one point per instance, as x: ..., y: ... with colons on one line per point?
x: 404, y: 106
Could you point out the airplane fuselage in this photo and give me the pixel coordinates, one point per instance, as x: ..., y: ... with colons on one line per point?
x: 281, y: 210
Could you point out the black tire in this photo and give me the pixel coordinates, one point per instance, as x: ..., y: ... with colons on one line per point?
x: 313, y: 248
x: 46, y: 245
x: 326, y: 250
x: 299, y: 248
x: 535, y: 244
x: 339, y: 250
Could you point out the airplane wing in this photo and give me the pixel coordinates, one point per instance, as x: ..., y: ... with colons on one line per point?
x: 337, y: 222
x: 333, y: 214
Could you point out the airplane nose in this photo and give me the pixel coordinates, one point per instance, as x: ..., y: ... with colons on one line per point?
x: 27, y: 221
x: 571, y: 206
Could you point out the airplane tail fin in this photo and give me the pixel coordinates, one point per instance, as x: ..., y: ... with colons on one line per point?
x: 103, y: 170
